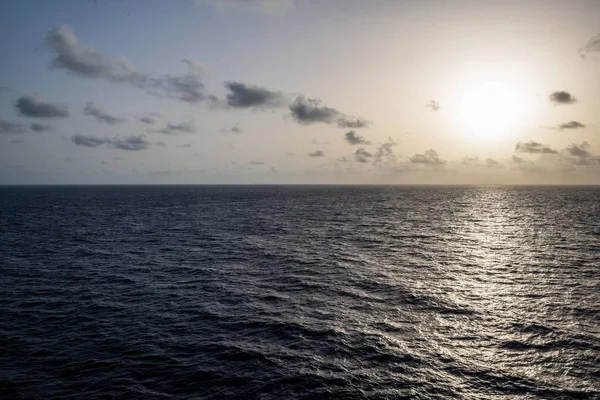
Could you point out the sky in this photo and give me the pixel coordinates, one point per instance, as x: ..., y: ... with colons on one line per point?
x: 300, y: 92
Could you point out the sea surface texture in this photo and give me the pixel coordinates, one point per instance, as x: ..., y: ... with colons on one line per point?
x: 285, y: 292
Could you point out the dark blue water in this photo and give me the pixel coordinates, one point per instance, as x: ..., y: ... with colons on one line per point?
x: 197, y: 292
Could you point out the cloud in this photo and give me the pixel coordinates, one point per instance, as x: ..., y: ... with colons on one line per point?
x: 130, y: 143
x: 352, y: 123
x: 234, y: 129
x: 88, y: 141
x: 490, y: 162
x: 562, y: 97
x: 532, y: 147
x: 579, y: 154
x: 187, y: 88
x: 147, y: 120
x: 194, y: 67
x: 354, y: 139
x: 184, y: 146
x: 256, y: 163
x: 40, y: 127
x: 361, y: 155
x: 266, y: 7
x: 150, y: 118
x: 593, y: 45
x: 174, y: 129
x: 429, y: 157
x: 470, y: 161
x: 101, y: 114
x: 518, y: 160
x: 308, y: 111
x: 317, y: 153
x: 385, y: 152
x: 434, y: 105
x: 4, y: 89
x: 87, y: 62
x: 14, y: 166
x: 475, y: 161
x: 31, y: 106
x: 571, y: 125
x: 9, y: 127
x: 242, y: 95
x: 579, y: 150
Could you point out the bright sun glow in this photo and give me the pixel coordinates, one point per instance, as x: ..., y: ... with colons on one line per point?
x: 491, y: 110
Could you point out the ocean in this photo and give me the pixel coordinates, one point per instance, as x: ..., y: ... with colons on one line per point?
x: 299, y: 292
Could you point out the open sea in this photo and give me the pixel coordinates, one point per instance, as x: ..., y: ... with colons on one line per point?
x: 299, y: 292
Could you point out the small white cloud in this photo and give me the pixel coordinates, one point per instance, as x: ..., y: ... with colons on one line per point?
x: 266, y: 7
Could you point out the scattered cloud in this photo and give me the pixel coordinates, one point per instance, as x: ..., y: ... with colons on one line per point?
x: 317, y: 153
x: 433, y: 104
x: 429, y: 157
x: 130, y: 143
x: 562, y: 97
x: 475, y: 161
x: 570, y: 125
x: 101, y: 114
x: 362, y: 156
x: 174, y: 129
x: 256, y: 163
x: 10, y: 127
x: 40, y: 127
x: 593, y: 45
x: 4, y: 89
x: 234, y: 129
x: 184, y: 146
x: 85, y: 61
x: 266, y: 7
x: 490, y: 162
x: 88, y: 141
x: 354, y: 139
x: 31, y: 106
x: 161, y: 173
x: 242, y: 95
x: 579, y: 150
x: 470, y: 161
x: 352, y: 122
x: 187, y: 88
x: 14, y: 166
x: 525, y: 165
x: 195, y: 67
x: 579, y: 154
x: 532, y: 147
x: 385, y: 152
x: 149, y: 119
x: 308, y: 111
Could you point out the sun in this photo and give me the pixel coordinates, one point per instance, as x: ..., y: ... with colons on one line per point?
x: 492, y: 109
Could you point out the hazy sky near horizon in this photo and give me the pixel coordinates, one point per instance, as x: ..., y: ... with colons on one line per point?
x: 300, y: 91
